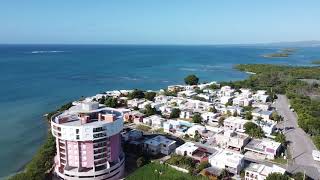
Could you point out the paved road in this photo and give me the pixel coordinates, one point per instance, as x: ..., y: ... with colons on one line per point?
x: 300, y: 146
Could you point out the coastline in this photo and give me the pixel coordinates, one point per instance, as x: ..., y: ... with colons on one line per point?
x: 66, y: 106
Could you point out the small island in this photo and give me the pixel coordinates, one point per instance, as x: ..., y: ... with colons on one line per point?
x: 284, y: 53
x: 317, y: 62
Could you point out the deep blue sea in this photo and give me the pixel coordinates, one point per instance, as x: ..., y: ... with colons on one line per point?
x: 36, y: 79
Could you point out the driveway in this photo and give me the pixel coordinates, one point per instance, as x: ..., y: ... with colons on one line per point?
x: 300, y: 144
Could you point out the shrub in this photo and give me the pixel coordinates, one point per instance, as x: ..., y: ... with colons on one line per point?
x: 196, y: 118
x: 150, y: 95
x: 191, y: 80
x: 253, y: 130
x: 175, y: 113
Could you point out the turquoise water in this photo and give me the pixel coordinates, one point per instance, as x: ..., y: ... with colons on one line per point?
x: 36, y: 79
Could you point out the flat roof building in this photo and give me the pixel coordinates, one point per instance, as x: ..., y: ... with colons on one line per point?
x: 88, y: 142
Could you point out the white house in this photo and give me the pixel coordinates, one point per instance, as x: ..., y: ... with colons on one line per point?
x: 187, y: 149
x: 231, y: 109
x: 225, y: 159
x: 162, y: 98
x: 246, y: 93
x: 260, y: 171
x: 266, y: 115
x: 226, y: 91
x: 231, y: 139
x: 263, y: 106
x: 266, y: 147
x: 157, y: 105
x: 210, y: 117
x: 159, y: 144
x: 155, y: 121
x: 261, y: 96
x: 196, y: 128
x: 186, y: 113
x: 187, y: 93
x: 242, y: 101
x: 235, y: 123
x: 135, y: 102
x: 205, y: 85
x: 268, y: 127
x: 225, y: 99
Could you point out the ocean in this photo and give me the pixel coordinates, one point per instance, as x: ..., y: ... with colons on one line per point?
x: 36, y: 79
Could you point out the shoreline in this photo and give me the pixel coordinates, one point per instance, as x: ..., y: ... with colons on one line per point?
x: 66, y: 105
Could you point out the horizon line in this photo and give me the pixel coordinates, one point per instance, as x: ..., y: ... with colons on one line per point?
x: 171, y: 44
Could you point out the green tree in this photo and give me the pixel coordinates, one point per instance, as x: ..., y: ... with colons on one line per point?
x: 213, y: 86
x: 202, y: 166
x: 275, y: 116
x: 197, y: 118
x: 253, y: 130
x: 221, y: 121
x: 224, y: 175
x: 248, y: 115
x: 235, y: 114
x: 102, y: 100
x: 191, y: 79
x: 300, y: 176
x: 228, y: 104
x: 141, y: 161
x: 111, y: 102
x: 213, y: 109
x: 281, y: 138
x: 136, y: 94
x: 150, y: 95
x: 149, y: 110
x: 229, y: 113
x: 277, y: 176
x: 197, y: 136
x: 175, y: 113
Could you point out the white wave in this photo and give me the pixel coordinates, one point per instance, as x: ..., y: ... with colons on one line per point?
x: 189, y: 69
x: 213, y: 66
x: 248, y: 72
x: 129, y: 78
x: 45, y: 52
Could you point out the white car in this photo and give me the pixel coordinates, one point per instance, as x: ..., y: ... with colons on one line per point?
x: 316, y: 155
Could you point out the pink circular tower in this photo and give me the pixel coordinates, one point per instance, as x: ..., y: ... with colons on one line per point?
x: 88, y: 142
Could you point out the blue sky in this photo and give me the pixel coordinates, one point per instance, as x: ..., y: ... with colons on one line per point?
x: 158, y: 21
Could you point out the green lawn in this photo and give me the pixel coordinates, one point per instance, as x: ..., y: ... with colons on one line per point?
x: 156, y: 171
x: 280, y: 160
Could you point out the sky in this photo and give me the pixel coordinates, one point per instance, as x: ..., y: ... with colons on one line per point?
x: 158, y: 21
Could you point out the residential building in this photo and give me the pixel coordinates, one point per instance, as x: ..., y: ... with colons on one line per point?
x: 225, y: 159
x: 132, y: 135
x: 266, y: 115
x: 235, y: 123
x: 196, y: 128
x: 156, y: 121
x: 225, y: 99
x: 134, y: 116
x: 88, y: 143
x: 269, y: 148
x: 187, y: 149
x: 260, y: 171
x: 268, y: 127
x: 231, y: 140
x: 159, y: 144
x: 210, y: 117
x: 242, y: 101
x: 135, y: 102
x: 226, y: 91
